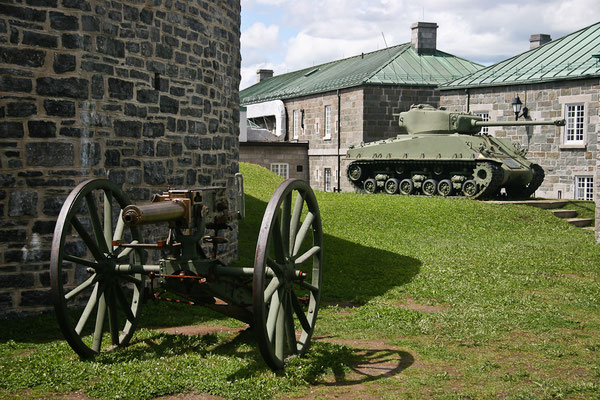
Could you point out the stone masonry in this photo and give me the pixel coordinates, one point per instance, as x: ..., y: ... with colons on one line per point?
x: 366, y: 116
x: 144, y: 92
x: 562, y: 162
x: 265, y: 153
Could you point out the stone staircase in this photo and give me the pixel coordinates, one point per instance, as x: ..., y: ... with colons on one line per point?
x: 553, y: 205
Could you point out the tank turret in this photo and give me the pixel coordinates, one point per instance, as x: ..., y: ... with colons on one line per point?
x: 439, y: 152
x: 425, y: 119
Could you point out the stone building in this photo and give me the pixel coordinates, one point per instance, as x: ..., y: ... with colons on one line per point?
x: 260, y: 146
x: 345, y: 102
x: 554, y: 79
x: 144, y: 93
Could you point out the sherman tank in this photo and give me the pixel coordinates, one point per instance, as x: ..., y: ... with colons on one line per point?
x: 444, y: 153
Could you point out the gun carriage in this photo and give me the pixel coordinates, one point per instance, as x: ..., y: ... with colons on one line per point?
x: 98, y: 242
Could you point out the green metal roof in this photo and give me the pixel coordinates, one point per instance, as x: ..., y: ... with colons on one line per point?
x: 573, y: 56
x: 397, y: 65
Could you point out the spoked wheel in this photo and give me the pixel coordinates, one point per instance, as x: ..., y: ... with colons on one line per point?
x: 287, y: 273
x: 82, y: 251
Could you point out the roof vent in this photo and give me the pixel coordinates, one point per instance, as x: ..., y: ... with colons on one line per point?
x: 424, y: 37
x: 538, y: 39
x: 311, y: 72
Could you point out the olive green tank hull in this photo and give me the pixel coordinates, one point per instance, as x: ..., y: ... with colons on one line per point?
x: 443, y: 164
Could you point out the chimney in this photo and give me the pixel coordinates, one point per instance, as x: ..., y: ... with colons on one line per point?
x: 424, y: 37
x: 263, y: 74
x: 538, y: 40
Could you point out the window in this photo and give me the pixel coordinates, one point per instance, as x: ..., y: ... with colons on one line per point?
x: 327, y: 123
x: 584, y: 188
x: 486, y: 117
x: 327, y: 172
x: 574, y: 129
x: 281, y: 169
x: 296, y: 124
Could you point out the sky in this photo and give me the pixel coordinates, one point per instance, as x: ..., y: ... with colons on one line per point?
x: 287, y: 35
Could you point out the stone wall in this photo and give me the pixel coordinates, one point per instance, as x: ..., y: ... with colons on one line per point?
x: 293, y: 154
x: 322, y: 151
x: 562, y: 163
x: 142, y: 92
x: 381, y: 102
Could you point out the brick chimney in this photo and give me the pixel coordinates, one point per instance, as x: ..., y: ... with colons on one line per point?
x: 424, y: 37
x: 538, y: 39
x: 263, y: 74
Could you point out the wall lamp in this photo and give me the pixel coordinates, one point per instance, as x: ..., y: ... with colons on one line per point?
x: 516, y: 105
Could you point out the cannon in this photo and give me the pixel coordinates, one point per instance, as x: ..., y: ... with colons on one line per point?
x: 444, y: 153
x: 98, y: 243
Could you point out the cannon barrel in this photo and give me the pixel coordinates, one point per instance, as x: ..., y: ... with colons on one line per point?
x: 154, y: 212
x: 557, y: 122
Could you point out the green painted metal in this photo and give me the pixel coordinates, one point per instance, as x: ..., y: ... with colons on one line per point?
x: 443, y: 152
x: 397, y: 65
x: 569, y: 57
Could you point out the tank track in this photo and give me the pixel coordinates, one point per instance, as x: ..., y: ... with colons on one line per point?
x: 531, y: 187
x: 489, y: 183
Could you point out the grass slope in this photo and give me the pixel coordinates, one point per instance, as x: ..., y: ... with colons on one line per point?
x: 464, y: 299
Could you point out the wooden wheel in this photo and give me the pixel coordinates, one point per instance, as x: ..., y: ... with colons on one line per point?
x: 287, y: 273
x: 89, y: 221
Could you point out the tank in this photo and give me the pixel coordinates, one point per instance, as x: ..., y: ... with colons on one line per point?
x: 444, y: 153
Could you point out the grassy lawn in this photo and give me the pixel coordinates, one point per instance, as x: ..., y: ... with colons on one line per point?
x: 423, y: 298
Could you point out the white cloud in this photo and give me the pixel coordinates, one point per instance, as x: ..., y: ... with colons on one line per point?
x: 260, y: 36
x: 482, y: 31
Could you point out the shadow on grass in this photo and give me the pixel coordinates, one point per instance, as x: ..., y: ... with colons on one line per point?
x: 370, y: 365
x: 351, y: 272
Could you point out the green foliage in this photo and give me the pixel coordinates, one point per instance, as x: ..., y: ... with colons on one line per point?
x: 476, y: 300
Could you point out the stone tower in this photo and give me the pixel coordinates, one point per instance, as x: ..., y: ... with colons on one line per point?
x: 143, y: 92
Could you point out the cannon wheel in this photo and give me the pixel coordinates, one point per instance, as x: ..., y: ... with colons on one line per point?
x: 287, y: 265
x: 88, y: 223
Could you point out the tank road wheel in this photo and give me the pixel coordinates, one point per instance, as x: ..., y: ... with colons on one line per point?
x: 370, y: 186
x: 391, y: 186
x: 406, y: 187
x: 444, y: 188
x: 469, y: 188
x: 287, y: 273
x: 354, y: 172
x: 88, y: 223
x: 429, y: 187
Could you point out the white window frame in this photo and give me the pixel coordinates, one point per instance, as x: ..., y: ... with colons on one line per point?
x: 574, y: 129
x: 485, y: 130
x: 281, y: 169
x: 584, y: 188
x: 327, y: 124
x: 565, y: 101
x: 327, y: 179
x: 296, y: 128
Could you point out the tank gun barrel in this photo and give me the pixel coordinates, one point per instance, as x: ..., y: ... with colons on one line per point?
x: 558, y: 122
